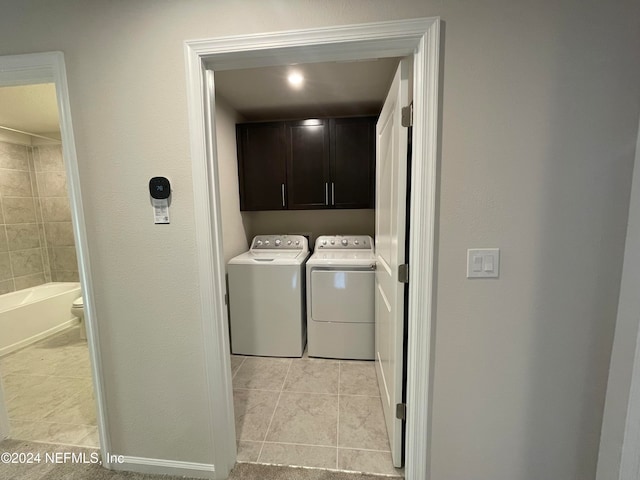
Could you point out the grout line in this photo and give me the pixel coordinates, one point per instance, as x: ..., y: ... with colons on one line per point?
x: 322, y: 446
x: 338, y: 418
x: 244, y: 359
x: 365, y: 449
x: 274, y: 410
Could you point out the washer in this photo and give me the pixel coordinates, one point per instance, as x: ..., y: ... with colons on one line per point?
x: 267, y: 297
x: 340, y: 297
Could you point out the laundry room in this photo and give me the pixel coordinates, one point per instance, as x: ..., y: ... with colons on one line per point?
x: 296, y: 168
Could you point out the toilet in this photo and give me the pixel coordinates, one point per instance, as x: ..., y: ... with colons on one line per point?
x: 77, y: 309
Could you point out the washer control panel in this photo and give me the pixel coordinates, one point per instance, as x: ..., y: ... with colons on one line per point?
x: 342, y: 242
x: 280, y: 242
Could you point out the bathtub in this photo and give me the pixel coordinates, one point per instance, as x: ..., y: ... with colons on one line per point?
x: 29, y: 315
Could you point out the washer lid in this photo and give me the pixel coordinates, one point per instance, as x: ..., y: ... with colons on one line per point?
x: 270, y: 257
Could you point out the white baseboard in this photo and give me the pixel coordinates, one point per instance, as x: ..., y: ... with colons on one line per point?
x: 165, y: 467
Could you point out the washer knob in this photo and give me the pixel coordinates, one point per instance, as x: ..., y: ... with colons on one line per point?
x: 278, y: 242
x: 333, y: 242
x: 345, y: 242
x: 297, y: 242
x: 266, y: 242
x: 324, y: 242
x: 289, y: 242
x: 356, y: 242
x: 259, y: 242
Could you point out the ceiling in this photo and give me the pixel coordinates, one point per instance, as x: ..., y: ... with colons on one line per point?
x: 29, y: 108
x: 329, y: 89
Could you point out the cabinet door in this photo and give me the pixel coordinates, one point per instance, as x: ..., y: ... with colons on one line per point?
x: 353, y: 162
x: 308, y: 164
x: 262, y: 166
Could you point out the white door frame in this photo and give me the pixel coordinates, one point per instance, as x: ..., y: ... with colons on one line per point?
x: 417, y: 37
x: 49, y: 67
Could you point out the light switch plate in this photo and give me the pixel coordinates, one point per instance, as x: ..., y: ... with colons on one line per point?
x: 483, y: 263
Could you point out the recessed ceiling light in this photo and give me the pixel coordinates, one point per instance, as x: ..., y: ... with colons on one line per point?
x: 295, y: 79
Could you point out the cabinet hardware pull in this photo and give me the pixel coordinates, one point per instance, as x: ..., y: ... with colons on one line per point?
x: 326, y: 193
x: 283, y: 195
x: 333, y: 193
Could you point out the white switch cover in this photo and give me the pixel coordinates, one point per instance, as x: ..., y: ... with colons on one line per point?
x: 483, y: 263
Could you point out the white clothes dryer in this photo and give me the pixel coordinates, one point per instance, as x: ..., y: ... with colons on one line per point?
x: 267, y: 297
x: 340, y: 297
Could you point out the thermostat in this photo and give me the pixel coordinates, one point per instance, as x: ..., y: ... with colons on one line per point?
x: 160, y: 191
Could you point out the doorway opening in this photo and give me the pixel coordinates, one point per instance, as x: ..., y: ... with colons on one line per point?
x: 52, y: 164
x: 327, y: 408
x: 416, y: 38
x: 44, y: 358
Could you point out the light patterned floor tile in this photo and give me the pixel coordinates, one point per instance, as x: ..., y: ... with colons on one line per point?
x: 253, y: 411
x: 259, y: 373
x: 306, y: 419
x: 358, y: 378
x: 299, y: 455
x: 362, y: 423
x: 313, y: 376
x: 367, y: 461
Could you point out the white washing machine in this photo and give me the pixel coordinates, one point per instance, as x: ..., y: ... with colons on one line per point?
x: 340, y: 297
x: 267, y: 297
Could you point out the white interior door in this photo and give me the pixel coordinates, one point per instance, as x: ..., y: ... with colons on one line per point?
x: 391, y: 188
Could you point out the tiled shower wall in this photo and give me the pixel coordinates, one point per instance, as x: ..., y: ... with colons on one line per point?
x: 36, y: 238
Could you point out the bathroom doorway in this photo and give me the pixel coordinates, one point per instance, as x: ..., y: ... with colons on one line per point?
x: 44, y: 358
x: 51, y: 389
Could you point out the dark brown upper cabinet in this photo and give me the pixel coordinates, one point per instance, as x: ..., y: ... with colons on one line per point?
x: 308, y: 160
x: 261, y: 166
x: 353, y: 157
x: 307, y: 164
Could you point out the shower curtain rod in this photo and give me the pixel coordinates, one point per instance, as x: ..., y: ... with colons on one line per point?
x: 30, y: 134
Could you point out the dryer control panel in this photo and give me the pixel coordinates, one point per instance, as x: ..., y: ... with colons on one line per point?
x: 280, y: 242
x: 342, y: 242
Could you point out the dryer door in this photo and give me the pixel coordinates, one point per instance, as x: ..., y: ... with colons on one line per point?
x: 345, y: 296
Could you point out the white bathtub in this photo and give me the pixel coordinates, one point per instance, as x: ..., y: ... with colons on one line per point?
x: 29, y: 315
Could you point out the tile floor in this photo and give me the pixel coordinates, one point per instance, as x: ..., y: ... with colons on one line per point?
x: 48, y: 391
x: 310, y: 412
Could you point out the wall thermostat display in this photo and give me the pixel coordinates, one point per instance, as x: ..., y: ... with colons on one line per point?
x: 160, y: 191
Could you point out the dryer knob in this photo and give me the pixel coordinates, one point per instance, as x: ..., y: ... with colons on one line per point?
x: 297, y: 242
x: 345, y: 242
x: 356, y: 242
x: 324, y: 242
x: 278, y: 242
x: 333, y: 242
x: 266, y: 242
x: 289, y: 242
x: 259, y: 242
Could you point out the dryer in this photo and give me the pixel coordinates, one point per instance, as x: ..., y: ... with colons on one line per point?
x: 267, y: 297
x: 340, y: 297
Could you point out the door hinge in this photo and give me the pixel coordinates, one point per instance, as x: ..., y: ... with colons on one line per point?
x: 403, y: 273
x: 401, y: 411
x: 407, y: 115
x: 226, y: 299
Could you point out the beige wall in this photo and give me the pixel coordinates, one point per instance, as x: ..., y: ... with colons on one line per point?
x: 311, y: 222
x: 233, y: 229
x: 540, y: 104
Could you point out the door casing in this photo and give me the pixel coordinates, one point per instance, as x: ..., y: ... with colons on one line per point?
x: 417, y: 37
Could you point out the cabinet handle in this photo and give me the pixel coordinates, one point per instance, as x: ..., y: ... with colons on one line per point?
x: 326, y: 193
x: 333, y: 194
x: 283, y: 195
